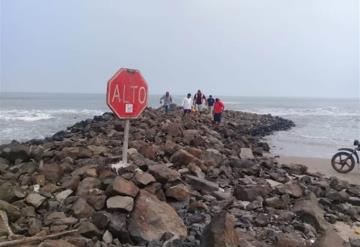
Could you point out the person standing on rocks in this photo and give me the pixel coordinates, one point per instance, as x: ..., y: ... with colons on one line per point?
x: 187, y: 104
x: 210, y: 104
x: 218, y: 110
x: 166, y: 100
x: 199, y: 99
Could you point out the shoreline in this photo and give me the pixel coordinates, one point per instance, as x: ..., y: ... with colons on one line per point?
x: 322, y: 166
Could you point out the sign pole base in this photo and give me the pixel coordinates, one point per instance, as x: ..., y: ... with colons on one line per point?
x: 124, y: 162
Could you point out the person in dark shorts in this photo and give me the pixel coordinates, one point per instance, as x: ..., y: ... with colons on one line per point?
x: 199, y: 99
x: 210, y: 104
x: 218, y: 110
x: 187, y: 104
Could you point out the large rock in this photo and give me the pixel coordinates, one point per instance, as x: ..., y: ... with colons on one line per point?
x: 310, y: 212
x: 291, y: 240
x: 87, y: 185
x: 77, y: 152
x: 212, y: 157
x: 179, y: 192
x: 15, y: 151
x: 183, y: 158
x: 251, y: 192
x: 151, y: 218
x: 246, y: 153
x: 143, y: 178
x: 164, y: 174
x: 201, y: 184
x: 123, y: 187
x: 82, y: 209
x: 120, y: 202
x: 328, y: 239
x: 52, y: 172
x: 35, y: 199
x: 220, y: 232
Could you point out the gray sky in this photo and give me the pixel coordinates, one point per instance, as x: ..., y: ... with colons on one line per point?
x: 226, y: 47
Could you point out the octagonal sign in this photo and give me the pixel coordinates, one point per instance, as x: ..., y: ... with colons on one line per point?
x: 127, y: 93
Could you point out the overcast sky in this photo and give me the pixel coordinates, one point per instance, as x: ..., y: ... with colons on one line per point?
x: 229, y: 47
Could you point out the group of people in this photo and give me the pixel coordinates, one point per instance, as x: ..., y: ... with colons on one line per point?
x: 196, y: 104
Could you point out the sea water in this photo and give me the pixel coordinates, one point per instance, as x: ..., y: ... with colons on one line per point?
x: 322, y: 125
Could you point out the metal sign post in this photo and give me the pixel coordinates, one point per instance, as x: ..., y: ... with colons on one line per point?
x: 126, y: 142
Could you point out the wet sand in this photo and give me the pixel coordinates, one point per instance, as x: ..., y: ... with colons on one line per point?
x: 323, y: 166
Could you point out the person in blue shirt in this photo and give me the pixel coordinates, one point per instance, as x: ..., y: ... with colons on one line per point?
x: 210, y: 104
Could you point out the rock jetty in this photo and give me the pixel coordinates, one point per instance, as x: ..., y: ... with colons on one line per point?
x: 189, y: 183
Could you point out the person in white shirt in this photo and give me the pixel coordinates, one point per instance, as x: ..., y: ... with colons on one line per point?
x: 187, y: 104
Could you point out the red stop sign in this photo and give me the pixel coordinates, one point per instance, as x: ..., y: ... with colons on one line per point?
x: 127, y: 93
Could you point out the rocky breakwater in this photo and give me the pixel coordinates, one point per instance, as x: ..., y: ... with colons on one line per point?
x: 189, y: 183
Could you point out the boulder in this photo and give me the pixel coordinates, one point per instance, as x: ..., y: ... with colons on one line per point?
x: 15, y: 151
x: 246, y: 153
x: 34, y: 199
x: 329, y: 238
x: 12, y: 211
x: 120, y: 202
x: 251, y: 192
x: 164, y: 174
x: 310, y: 212
x: 151, y: 218
x: 121, y: 186
x: 212, y: 157
x: 179, y: 192
x: 220, y: 232
x: 183, y: 158
x: 291, y: 240
x: 82, y: 209
x: 143, y: 178
x: 86, y: 185
x: 52, y: 172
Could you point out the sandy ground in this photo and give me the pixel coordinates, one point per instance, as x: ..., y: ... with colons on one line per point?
x: 323, y: 166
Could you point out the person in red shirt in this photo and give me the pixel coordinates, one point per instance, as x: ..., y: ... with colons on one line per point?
x: 218, y: 110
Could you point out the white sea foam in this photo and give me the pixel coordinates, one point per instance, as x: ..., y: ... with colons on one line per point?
x: 38, y: 115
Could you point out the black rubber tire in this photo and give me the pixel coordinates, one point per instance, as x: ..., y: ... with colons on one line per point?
x: 335, y: 164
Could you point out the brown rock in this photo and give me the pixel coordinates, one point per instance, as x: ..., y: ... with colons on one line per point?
x: 120, y: 202
x: 82, y: 209
x: 220, y: 232
x: 35, y: 199
x: 251, y: 192
x: 329, y: 239
x: 310, y: 212
x: 76, y: 152
x: 164, y: 174
x: 124, y: 187
x: 179, y: 192
x: 183, y: 158
x: 52, y: 172
x: 152, y: 218
x: 291, y: 240
x: 87, y: 185
x: 143, y: 178
x: 56, y: 243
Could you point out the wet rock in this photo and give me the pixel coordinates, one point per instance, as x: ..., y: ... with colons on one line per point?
x: 120, y: 202
x: 152, y: 218
x: 220, y: 232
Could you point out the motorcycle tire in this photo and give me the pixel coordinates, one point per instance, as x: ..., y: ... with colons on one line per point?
x: 343, y: 162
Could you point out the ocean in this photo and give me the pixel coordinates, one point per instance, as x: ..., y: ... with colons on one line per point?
x: 322, y: 125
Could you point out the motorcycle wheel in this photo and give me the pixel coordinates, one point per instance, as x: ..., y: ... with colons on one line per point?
x: 343, y: 162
